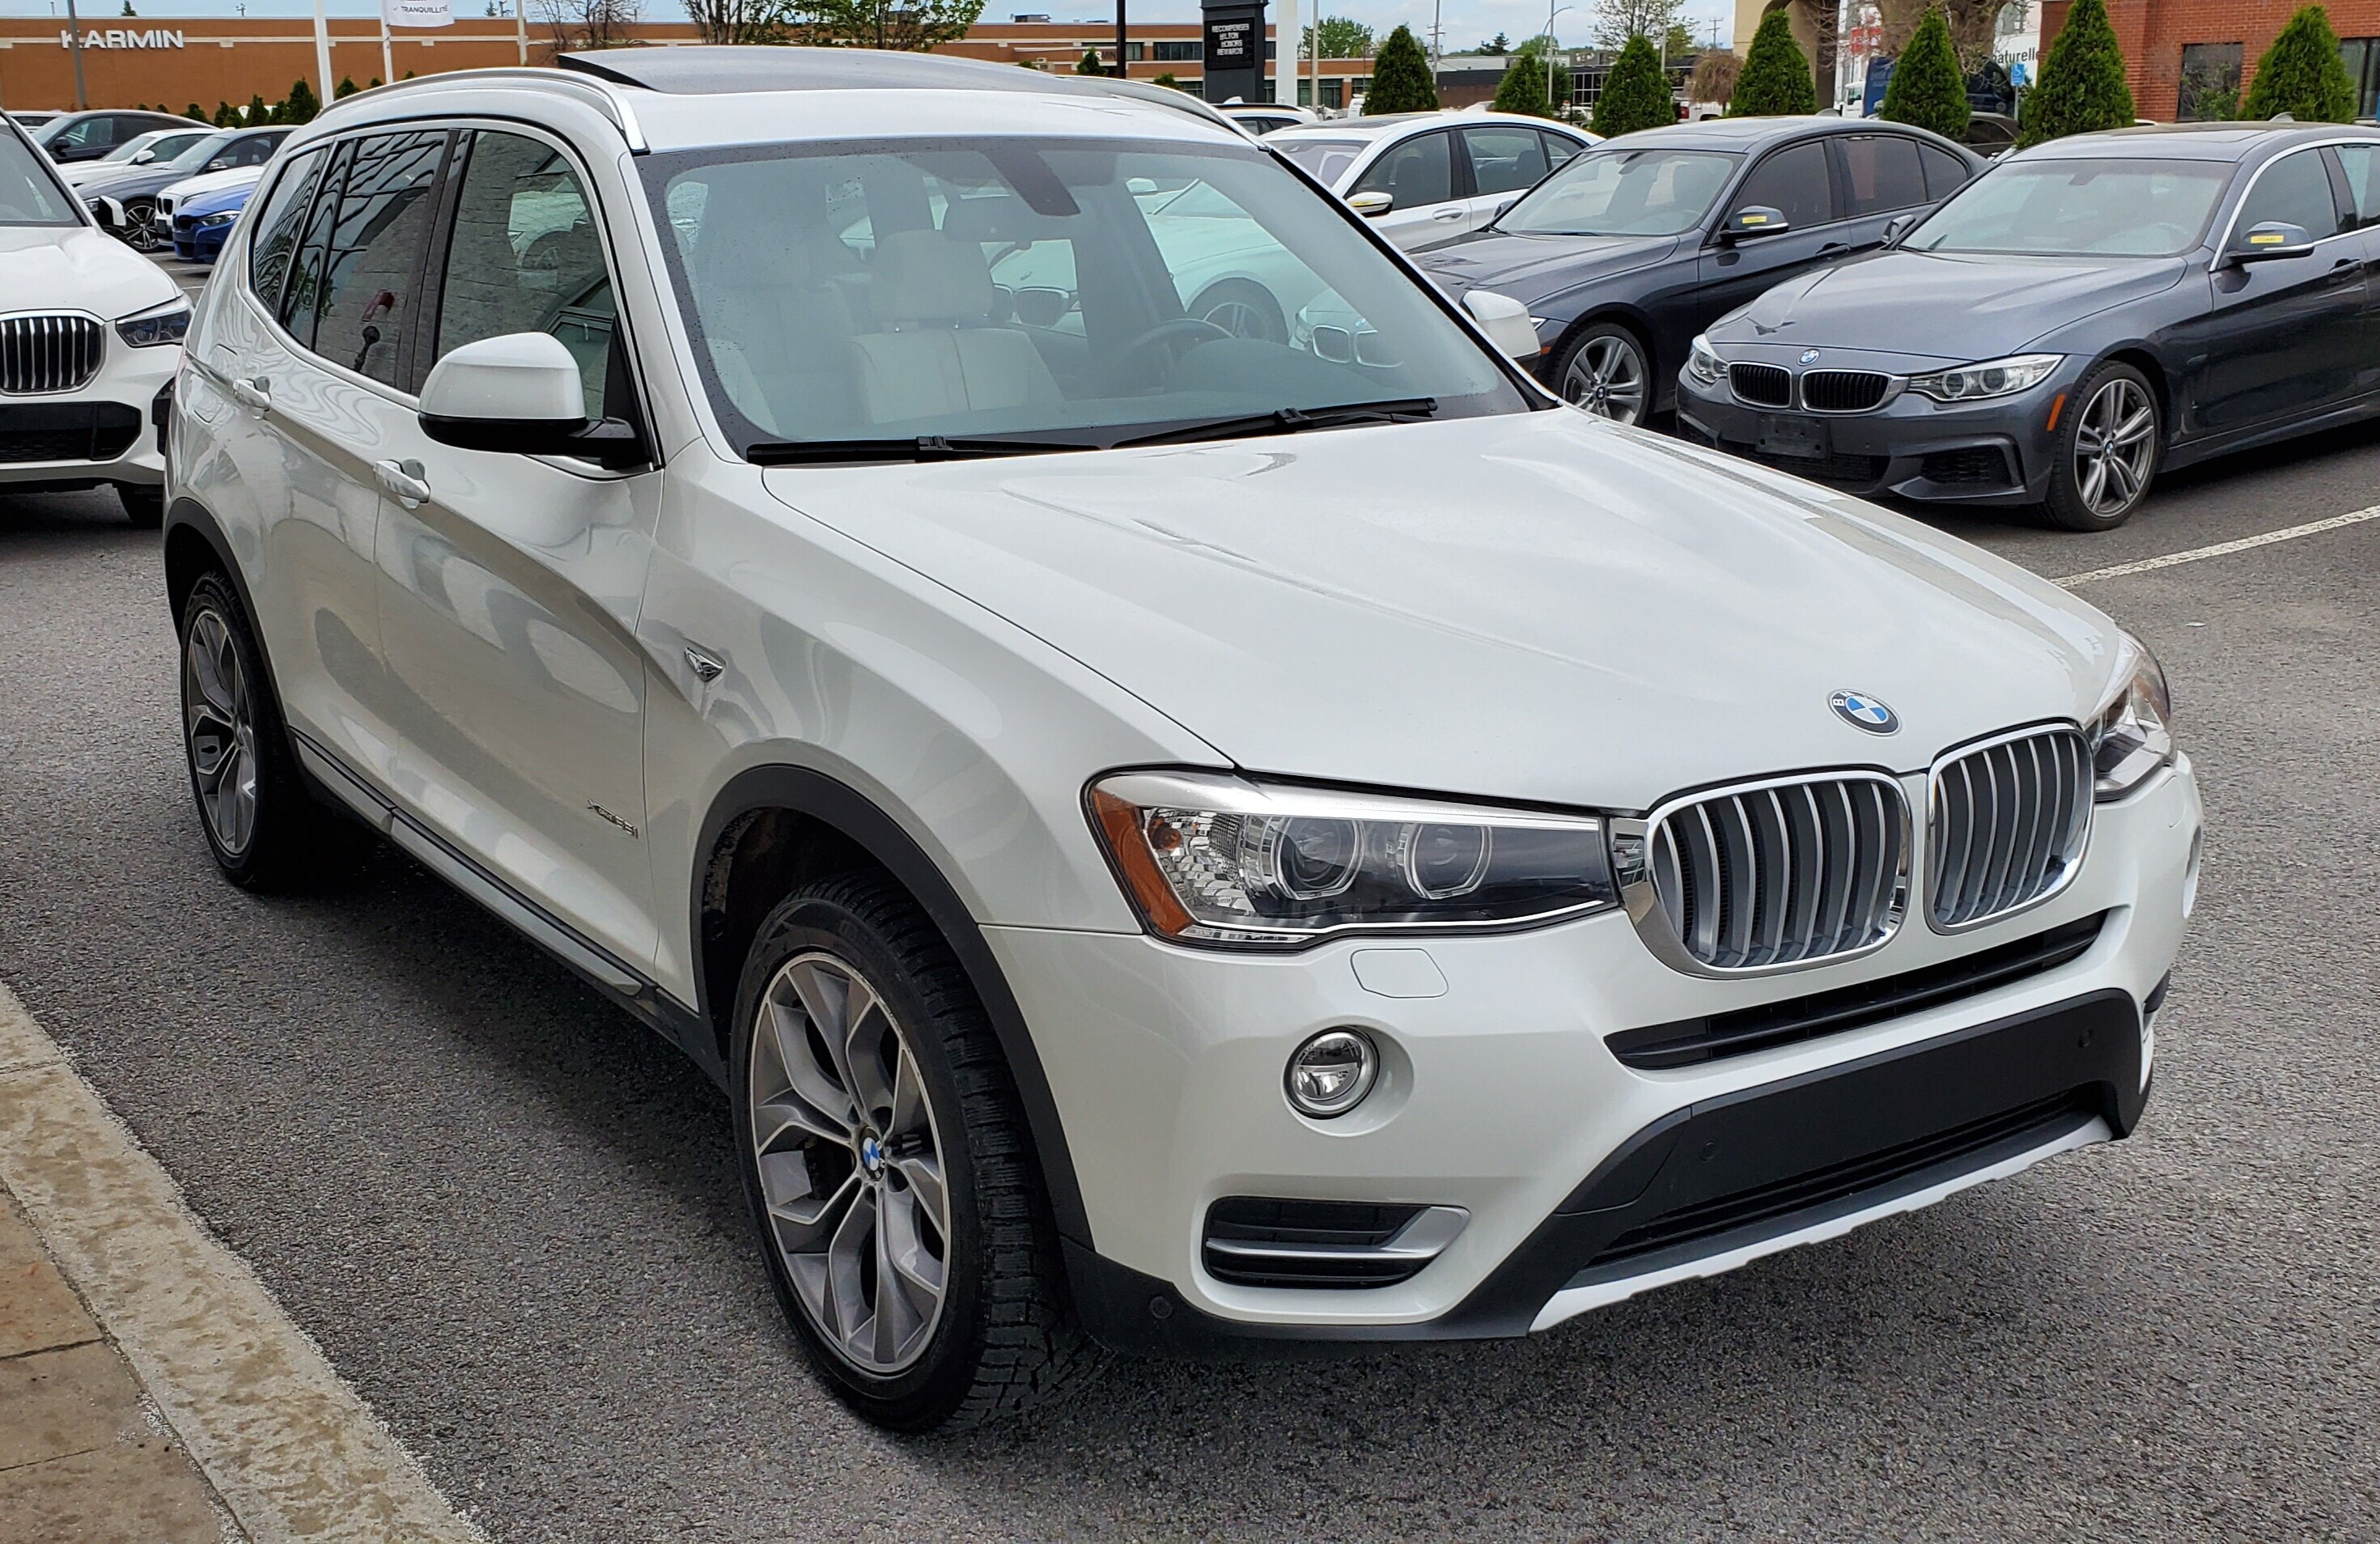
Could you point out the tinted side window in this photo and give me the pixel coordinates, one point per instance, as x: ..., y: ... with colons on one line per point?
x: 301, y: 292
x: 2362, y: 166
x: 1884, y: 173
x: 527, y: 257
x: 1420, y: 171
x: 1558, y: 150
x: 1504, y: 159
x: 2296, y: 190
x: 254, y: 151
x: 1945, y: 173
x: 1794, y: 182
x: 278, y: 225
x: 372, y: 273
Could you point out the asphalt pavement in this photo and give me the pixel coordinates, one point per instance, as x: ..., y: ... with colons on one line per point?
x: 509, y: 1215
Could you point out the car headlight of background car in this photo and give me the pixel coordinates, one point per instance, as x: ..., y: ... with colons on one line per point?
x: 158, y: 325
x: 2131, y: 735
x: 221, y: 217
x: 1992, y: 378
x: 1215, y: 859
x: 1703, y: 362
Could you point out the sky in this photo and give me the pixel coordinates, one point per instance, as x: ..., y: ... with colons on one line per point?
x: 1466, y: 22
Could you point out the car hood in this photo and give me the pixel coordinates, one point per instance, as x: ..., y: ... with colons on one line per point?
x: 129, y: 181
x: 1537, y: 606
x: 1940, y: 305
x: 1530, y: 268
x: 209, y: 182
x: 75, y: 268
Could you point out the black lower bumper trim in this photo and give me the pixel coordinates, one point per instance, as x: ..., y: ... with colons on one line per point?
x: 1726, y: 1172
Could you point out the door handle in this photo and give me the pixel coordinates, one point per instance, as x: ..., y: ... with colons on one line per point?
x: 404, y: 482
x: 256, y: 394
x: 1834, y: 249
x: 1455, y: 213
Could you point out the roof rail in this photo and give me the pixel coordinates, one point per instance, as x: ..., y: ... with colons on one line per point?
x: 594, y: 91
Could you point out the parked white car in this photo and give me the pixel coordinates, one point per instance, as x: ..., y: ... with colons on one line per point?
x: 1427, y: 177
x: 1161, y: 835
x: 205, y: 182
x: 90, y: 336
x: 157, y: 145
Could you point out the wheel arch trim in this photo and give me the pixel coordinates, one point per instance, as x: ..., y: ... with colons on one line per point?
x: 844, y: 809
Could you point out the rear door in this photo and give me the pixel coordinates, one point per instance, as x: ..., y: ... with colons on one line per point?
x: 1421, y: 173
x: 1798, y: 180
x: 1879, y: 176
x: 1507, y: 160
x: 2284, y: 337
x: 2359, y: 169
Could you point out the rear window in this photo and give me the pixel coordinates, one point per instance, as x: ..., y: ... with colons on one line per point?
x: 2097, y: 207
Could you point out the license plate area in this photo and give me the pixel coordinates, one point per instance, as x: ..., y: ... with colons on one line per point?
x: 1792, y: 436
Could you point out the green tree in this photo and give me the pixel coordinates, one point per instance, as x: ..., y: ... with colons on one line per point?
x: 1402, y: 78
x: 915, y: 26
x: 2303, y: 75
x: 1499, y: 43
x: 1522, y: 89
x: 1776, y: 78
x: 374, y: 85
x: 1089, y: 63
x: 1339, y: 37
x: 1636, y: 92
x: 1165, y: 77
x: 302, y: 103
x: 2081, y: 89
x: 257, y: 112
x: 1926, y: 87
x: 195, y: 110
x: 1679, y: 42
x: 346, y: 87
x: 227, y: 116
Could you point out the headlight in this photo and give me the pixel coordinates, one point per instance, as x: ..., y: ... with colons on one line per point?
x: 2131, y: 735
x: 223, y: 218
x: 1211, y: 859
x: 1702, y: 363
x: 1992, y: 378
x: 165, y: 323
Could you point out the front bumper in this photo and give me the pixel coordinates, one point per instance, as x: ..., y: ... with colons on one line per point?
x: 1995, y: 453
x: 197, y: 243
x: 101, y: 431
x: 1501, y: 1097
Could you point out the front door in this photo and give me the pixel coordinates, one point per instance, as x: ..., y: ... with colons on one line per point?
x: 2283, y: 335
x: 1798, y: 182
x: 510, y: 584
x: 1419, y: 174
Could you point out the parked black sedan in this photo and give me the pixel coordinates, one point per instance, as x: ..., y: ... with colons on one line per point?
x: 1633, y: 247
x: 2086, y: 314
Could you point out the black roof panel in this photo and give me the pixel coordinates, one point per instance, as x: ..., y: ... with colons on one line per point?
x: 724, y: 69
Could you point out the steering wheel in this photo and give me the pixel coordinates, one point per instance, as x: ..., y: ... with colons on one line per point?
x: 1196, y: 327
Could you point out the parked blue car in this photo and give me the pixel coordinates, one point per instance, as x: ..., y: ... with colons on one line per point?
x: 202, y: 222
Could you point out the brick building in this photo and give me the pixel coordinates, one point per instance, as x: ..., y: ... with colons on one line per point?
x: 2189, y: 58
x: 129, y: 61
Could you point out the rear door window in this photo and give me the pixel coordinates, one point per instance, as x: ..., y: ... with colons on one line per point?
x: 1504, y: 159
x: 1945, y: 173
x: 2361, y: 164
x: 1792, y: 181
x: 1558, y: 149
x: 278, y: 228
x: 1881, y: 174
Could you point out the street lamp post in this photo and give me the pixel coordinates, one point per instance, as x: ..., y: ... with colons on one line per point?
x: 74, y: 30
x: 1550, y: 13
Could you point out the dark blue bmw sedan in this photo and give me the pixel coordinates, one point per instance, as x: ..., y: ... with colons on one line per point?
x: 2082, y: 316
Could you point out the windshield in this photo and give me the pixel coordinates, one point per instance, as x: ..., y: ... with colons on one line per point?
x: 197, y: 153
x: 1073, y: 293
x: 28, y: 194
x: 1625, y: 192
x: 1326, y: 161
x: 2077, y: 208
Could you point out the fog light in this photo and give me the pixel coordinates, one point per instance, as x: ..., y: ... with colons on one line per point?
x: 1331, y: 1073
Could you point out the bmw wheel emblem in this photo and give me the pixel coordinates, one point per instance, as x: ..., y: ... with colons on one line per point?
x: 1809, y: 355
x: 1862, y: 712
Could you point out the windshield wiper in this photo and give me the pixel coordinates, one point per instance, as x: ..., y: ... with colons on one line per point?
x: 916, y: 447
x: 1292, y: 421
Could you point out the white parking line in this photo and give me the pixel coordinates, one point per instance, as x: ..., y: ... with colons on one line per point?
x: 291, y: 1448
x: 2291, y: 533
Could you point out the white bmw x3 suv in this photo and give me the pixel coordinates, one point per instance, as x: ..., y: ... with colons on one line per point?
x: 1167, y: 840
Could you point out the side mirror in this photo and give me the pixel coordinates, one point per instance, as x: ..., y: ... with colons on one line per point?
x: 2270, y: 240
x: 1899, y: 226
x: 1506, y: 207
x: 1506, y: 322
x: 1752, y: 222
x: 1371, y: 206
x: 519, y: 393
x: 142, y: 157
x: 220, y: 163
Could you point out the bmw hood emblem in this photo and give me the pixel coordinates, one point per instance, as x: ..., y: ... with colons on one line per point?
x: 1809, y: 355
x: 1862, y: 712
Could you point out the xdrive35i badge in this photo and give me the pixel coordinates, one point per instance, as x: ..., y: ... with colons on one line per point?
x: 1862, y: 712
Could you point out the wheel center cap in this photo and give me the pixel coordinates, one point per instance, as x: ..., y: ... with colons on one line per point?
x: 871, y: 1155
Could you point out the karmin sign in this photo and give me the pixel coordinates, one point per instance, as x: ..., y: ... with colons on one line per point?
x: 115, y: 38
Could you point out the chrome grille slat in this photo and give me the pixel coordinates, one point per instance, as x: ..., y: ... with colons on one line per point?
x: 49, y: 353
x: 1778, y: 874
x: 2006, y: 825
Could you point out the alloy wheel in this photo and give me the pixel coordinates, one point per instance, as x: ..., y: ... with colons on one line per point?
x: 219, y: 718
x: 144, y: 231
x: 850, y: 1162
x: 1242, y: 319
x: 2114, y: 443
x: 1607, y: 378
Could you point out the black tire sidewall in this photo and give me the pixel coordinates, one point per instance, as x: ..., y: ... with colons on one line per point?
x: 2066, y: 506
x: 211, y: 594
x: 815, y: 920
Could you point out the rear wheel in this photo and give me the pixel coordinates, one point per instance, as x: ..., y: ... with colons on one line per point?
x: 885, y: 1160
x: 1605, y: 371
x: 2107, y: 453
x: 266, y: 830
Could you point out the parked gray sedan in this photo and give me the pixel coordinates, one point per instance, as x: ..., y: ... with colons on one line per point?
x: 2079, y: 318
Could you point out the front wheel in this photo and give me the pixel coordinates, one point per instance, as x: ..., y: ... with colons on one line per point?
x: 2109, y: 451
x: 144, y: 231
x: 1605, y: 371
x: 884, y: 1158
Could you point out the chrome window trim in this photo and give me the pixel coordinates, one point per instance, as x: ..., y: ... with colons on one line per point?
x: 1933, y: 790
x: 2248, y: 191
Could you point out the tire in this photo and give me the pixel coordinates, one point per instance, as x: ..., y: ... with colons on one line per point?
x: 842, y: 1190
x: 1242, y: 309
x: 1605, y: 368
x: 144, y: 504
x: 266, y: 830
x: 142, y: 231
x: 2106, y: 456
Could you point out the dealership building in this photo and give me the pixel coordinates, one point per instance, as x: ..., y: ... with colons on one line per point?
x: 129, y: 61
